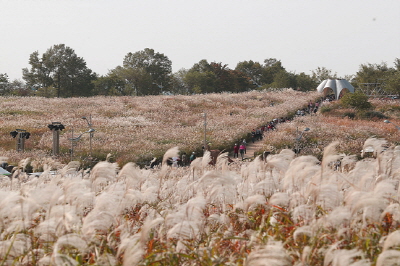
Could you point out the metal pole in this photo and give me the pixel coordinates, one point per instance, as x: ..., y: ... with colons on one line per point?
x: 72, y: 144
x: 90, y: 136
x: 56, y: 141
x: 297, y: 141
x: 205, y: 132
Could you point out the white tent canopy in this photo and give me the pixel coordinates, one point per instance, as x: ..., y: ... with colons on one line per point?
x: 338, y: 86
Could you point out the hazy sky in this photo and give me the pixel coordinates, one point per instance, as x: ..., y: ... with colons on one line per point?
x: 302, y: 34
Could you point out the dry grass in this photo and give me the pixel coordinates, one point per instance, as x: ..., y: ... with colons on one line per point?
x: 139, y: 128
x: 290, y: 210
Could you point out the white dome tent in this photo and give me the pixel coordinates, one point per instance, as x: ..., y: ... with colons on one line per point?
x: 338, y: 86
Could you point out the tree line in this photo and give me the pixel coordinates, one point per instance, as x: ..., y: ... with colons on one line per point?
x: 59, y: 72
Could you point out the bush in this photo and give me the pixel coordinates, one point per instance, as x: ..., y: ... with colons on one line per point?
x: 357, y: 100
x: 350, y: 115
x: 325, y: 109
x: 372, y: 114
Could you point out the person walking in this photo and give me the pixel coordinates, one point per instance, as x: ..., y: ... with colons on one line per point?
x: 192, y: 157
x: 253, y: 135
x: 242, y: 148
x: 245, y: 145
x: 236, y: 151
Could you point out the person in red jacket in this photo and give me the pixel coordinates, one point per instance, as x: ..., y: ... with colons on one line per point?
x: 236, y: 151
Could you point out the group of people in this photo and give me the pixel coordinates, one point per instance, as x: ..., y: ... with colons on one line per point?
x: 256, y: 134
x: 239, y: 149
x: 312, y: 108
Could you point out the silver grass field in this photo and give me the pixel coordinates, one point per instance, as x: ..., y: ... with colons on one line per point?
x: 289, y: 209
x: 286, y: 211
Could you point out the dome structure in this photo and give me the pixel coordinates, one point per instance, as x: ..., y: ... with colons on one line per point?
x: 338, y: 86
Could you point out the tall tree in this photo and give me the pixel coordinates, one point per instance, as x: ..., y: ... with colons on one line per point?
x: 305, y: 82
x: 109, y: 85
x: 322, y: 73
x: 4, y: 84
x: 253, y: 70
x: 61, y: 68
x: 147, y: 72
x: 271, y: 68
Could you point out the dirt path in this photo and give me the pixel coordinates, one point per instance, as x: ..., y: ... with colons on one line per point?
x: 251, y: 148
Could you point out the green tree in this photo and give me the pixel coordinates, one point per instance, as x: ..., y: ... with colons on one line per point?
x: 283, y: 79
x: 322, y: 73
x: 253, y: 70
x: 357, y: 100
x: 146, y: 72
x: 305, y: 82
x: 4, y: 84
x: 206, y: 77
x: 271, y: 68
x: 178, y: 85
x: 109, y: 85
x: 372, y: 73
x: 61, y: 68
x: 387, y: 77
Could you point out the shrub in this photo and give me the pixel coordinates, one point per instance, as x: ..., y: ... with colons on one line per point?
x: 350, y: 115
x: 325, y: 109
x: 372, y: 115
x: 357, y: 100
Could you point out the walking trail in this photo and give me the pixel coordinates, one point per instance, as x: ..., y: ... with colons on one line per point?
x: 251, y: 148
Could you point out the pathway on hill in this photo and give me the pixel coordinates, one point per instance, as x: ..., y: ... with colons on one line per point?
x: 251, y: 148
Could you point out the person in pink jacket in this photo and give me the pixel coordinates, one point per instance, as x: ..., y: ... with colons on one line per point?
x: 242, y: 148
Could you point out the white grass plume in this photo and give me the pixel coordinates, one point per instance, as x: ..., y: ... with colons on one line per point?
x: 303, y: 213
x: 131, y: 173
x: 300, y: 172
x: 206, y: 159
x: 330, y: 155
x: 132, y: 249
x: 343, y: 257
x: 303, y: 233
x: 253, y: 200
x: 104, y: 170
x: 388, y: 257
x: 280, y: 199
x: 172, y: 152
x: 15, y: 247
x: 222, y: 161
x: 70, y: 240
x: 339, y: 217
x: 190, y: 224
x: 392, y: 241
x: 218, y: 187
x: 272, y: 254
x: 280, y: 161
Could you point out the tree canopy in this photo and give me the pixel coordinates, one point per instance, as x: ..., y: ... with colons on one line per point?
x: 59, y: 72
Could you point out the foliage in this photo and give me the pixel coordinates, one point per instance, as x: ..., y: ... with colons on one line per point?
x: 388, y: 77
x: 322, y: 73
x: 372, y: 115
x: 61, y: 68
x: 357, y: 100
x: 349, y: 114
x: 206, y: 77
x: 146, y: 72
x: 110, y: 85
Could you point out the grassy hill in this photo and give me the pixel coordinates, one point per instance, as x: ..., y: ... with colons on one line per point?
x: 139, y: 128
